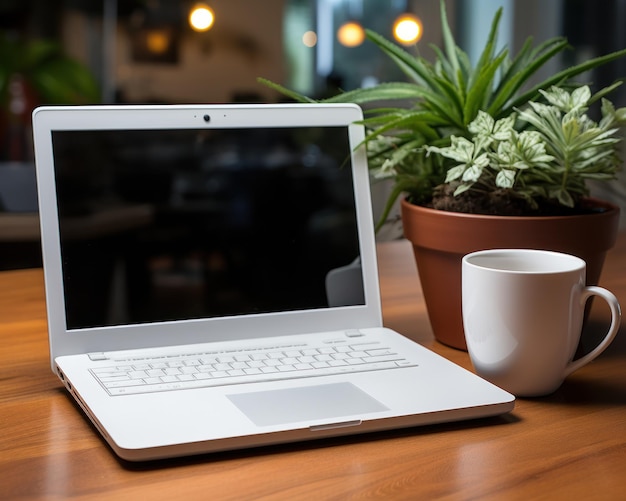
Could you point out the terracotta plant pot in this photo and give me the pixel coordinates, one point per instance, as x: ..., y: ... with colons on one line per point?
x: 440, y: 239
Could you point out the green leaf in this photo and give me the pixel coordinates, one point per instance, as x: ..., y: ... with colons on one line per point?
x: 535, y: 150
x: 456, y: 98
x: 455, y: 173
x: 520, y: 61
x: 405, y: 150
x: 296, y: 96
x: 64, y: 81
x: 461, y: 150
x: 486, y: 56
x: 462, y: 188
x: 564, y: 197
x: 449, y: 43
x: 380, y: 116
x: 435, y: 91
x: 412, y: 121
x: 482, y: 125
x: 381, y: 92
x: 398, y: 189
x: 605, y: 91
x: 478, y: 95
x: 567, y: 74
x: 505, y: 178
x: 472, y: 173
x: 504, y: 100
x: 415, y: 67
x: 55, y: 77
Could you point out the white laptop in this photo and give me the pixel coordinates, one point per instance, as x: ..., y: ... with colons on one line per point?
x: 211, y: 281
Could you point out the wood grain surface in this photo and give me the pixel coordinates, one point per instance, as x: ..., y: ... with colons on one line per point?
x: 571, y: 444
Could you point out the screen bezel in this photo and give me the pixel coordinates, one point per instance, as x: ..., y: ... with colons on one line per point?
x: 102, y: 339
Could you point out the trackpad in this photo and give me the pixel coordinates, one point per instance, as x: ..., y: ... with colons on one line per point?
x: 266, y: 408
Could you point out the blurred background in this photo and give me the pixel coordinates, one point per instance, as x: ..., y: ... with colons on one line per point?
x: 181, y: 51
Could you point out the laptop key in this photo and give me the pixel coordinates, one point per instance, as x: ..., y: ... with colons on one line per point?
x: 223, y: 378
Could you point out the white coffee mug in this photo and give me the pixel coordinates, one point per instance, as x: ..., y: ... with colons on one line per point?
x: 523, y: 312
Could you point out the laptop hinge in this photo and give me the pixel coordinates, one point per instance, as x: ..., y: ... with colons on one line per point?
x: 97, y: 356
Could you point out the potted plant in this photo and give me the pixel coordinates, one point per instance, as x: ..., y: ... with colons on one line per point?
x: 34, y: 72
x: 485, y: 160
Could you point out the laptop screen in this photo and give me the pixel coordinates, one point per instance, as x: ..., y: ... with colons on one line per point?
x: 162, y: 225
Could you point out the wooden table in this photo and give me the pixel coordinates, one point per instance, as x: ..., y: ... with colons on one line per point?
x: 570, y: 444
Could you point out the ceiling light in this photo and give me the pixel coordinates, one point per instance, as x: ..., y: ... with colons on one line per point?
x: 201, y: 17
x: 351, y: 34
x: 309, y: 39
x: 407, y: 29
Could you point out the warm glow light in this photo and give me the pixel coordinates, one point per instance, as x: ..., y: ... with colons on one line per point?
x: 351, y: 34
x: 157, y: 42
x: 407, y: 29
x: 201, y: 17
x: 309, y: 39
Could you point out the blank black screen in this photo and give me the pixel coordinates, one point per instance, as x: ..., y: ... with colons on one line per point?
x: 160, y: 225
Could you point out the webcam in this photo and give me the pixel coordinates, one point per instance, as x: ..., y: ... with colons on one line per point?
x: 207, y: 118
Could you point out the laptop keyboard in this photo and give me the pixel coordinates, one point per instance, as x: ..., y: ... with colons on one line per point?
x: 199, y: 370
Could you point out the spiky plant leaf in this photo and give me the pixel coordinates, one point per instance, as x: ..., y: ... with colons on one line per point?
x: 443, y: 98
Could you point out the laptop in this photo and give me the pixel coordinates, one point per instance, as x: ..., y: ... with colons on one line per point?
x: 211, y: 281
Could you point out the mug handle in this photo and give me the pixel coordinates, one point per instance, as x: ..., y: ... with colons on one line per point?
x: 616, y: 315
